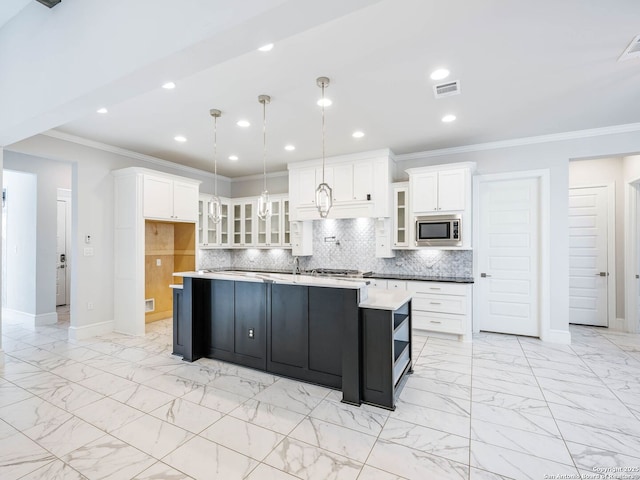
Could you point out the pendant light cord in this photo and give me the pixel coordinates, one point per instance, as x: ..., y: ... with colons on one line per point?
x: 215, y: 155
x: 264, y: 144
x: 323, y: 133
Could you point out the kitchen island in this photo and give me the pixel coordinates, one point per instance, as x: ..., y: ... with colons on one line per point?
x: 300, y: 326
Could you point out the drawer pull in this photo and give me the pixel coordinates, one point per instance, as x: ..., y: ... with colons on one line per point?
x: 436, y: 303
x: 434, y: 321
x: 435, y: 288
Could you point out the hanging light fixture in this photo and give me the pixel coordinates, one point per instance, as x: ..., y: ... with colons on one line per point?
x: 324, y: 194
x: 264, y: 205
x: 215, y: 206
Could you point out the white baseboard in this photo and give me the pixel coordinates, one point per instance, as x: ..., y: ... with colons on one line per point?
x: 28, y: 320
x: 87, y: 331
x: 557, y: 336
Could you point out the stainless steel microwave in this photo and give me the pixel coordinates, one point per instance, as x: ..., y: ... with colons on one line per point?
x: 439, y: 231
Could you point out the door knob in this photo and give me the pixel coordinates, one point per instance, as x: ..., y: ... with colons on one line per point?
x: 602, y: 274
x: 484, y: 275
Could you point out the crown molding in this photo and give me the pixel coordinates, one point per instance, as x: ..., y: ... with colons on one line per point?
x: 555, y: 137
x: 130, y: 154
x: 258, y: 176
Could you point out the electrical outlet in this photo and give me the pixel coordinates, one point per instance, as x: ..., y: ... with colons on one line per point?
x: 89, y: 305
x: 158, y: 262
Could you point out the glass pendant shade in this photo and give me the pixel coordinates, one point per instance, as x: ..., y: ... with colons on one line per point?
x: 215, y: 209
x: 264, y: 206
x: 324, y: 199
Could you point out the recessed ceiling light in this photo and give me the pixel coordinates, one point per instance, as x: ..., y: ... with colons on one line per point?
x: 324, y: 102
x: 243, y: 123
x: 266, y: 48
x: 180, y: 138
x: 289, y: 148
x: 102, y: 110
x: 169, y: 86
x: 233, y: 158
x: 439, y: 74
x: 357, y: 134
x: 448, y: 118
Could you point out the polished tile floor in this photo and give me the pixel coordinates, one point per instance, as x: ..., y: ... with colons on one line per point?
x: 118, y: 407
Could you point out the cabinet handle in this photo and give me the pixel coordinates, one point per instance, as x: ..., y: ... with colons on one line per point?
x: 436, y: 303
x: 433, y: 321
x: 434, y: 288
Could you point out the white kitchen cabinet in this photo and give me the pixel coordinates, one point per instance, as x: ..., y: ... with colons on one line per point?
x: 301, y: 238
x: 401, y: 215
x: 378, y: 283
x: 169, y: 198
x: 442, y: 307
x: 360, y: 186
x: 384, y: 233
x: 270, y: 232
x: 396, y: 285
x: 210, y: 234
x: 243, y: 223
x: 436, y: 191
x: 286, y: 223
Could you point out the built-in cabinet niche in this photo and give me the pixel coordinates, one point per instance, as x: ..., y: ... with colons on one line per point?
x: 169, y: 247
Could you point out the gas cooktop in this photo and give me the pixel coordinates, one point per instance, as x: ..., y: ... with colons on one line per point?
x: 338, y: 272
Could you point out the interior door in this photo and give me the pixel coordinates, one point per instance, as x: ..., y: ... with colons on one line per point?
x: 588, y: 269
x: 61, y: 255
x: 508, y: 253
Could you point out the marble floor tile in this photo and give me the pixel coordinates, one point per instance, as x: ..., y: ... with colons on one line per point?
x: 106, y: 383
x: 55, y: 470
x: 439, y: 387
x: 301, y: 398
x: 161, y: 471
x: 10, y: 393
x: 600, y: 439
x: 503, y: 366
x: 63, y: 435
x: 136, y: 373
x: 349, y: 416
x: 187, y: 415
x: 513, y: 464
x: 477, y: 474
x: 142, y: 397
x: 414, y: 464
x: 76, y: 372
x: 521, y: 420
x: 526, y: 379
x: 595, y: 403
x: 428, y: 440
x: 172, y: 384
x: 69, y: 397
x: 511, y: 402
x: 443, y: 375
x: 506, y: 386
x: 108, y: 458
x: 436, y: 401
x: 615, y: 423
x: 108, y: 414
x: 591, y: 458
x: 216, y: 399
x: 206, y: 460
x: 311, y: 463
x: 543, y: 446
x: 266, y: 472
x: 281, y: 420
x: 20, y: 455
x: 6, y: 430
x: 334, y: 438
x: 243, y: 437
x: 152, y: 435
x: 428, y: 417
x: 370, y: 473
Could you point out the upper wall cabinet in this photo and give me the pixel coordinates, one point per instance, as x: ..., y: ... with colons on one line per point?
x: 360, y: 185
x: 170, y: 198
x: 435, y: 191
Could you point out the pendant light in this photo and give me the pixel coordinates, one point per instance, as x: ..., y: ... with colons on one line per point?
x: 324, y: 194
x: 264, y: 205
x: 215, y: 205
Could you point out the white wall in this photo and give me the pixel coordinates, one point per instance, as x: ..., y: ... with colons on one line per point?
x: 21, y: 234
x: 50, y: 175
x: 631, y: 168
x: 604, y: 171
x: 92, y: 214
x: 276, y: 183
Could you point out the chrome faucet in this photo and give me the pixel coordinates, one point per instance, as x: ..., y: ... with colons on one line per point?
x: 296, y: 265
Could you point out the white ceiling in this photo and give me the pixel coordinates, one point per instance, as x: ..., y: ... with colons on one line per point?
x: 526, y: 69
x: 10, y: 8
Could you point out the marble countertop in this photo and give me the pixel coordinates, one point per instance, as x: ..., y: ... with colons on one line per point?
x: 380, y: 299
x: 282, y: 278
x: 420, y: 278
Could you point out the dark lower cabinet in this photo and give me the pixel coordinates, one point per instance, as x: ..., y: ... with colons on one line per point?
x: 386, y: 354
x: 178, y: 332
x: 289, y: 329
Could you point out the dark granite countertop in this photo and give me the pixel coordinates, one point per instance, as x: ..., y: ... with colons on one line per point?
x: 420, y: 278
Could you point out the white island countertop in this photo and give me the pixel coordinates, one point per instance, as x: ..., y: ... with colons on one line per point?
x: 382, y: 299
x: 282, y: 278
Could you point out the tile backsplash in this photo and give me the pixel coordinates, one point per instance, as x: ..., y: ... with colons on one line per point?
x: 348, y: 244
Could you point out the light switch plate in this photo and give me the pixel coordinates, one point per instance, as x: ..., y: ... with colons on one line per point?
x: 88, y: 251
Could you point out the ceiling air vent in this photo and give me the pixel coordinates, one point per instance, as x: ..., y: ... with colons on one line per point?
x: 50, y: 3
x: 632, y: 51
x: 447, y: 89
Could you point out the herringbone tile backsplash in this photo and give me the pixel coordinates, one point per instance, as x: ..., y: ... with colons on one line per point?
x: 346, y: 244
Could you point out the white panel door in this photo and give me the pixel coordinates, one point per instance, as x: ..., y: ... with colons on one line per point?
x: 508, y: 252
x: 61, y: 255
x: 588, y: 271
